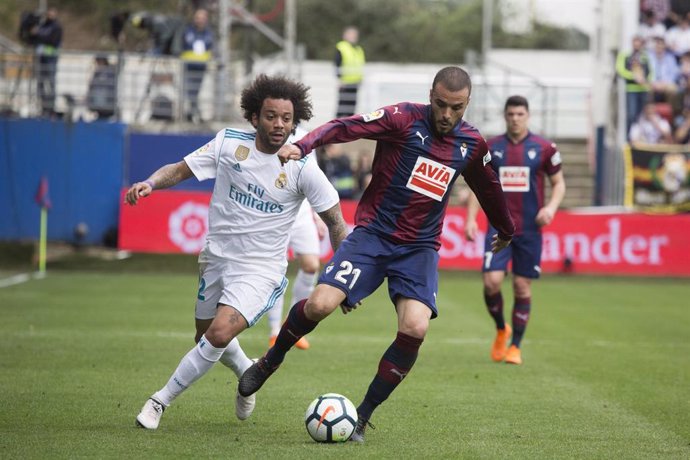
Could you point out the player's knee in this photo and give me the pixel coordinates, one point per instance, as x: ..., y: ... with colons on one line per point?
x: 416, y: 330
x: 309, y: 264
x: 218, y: 336
x: 318, y: 307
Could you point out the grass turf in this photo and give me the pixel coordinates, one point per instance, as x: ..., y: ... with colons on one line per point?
x: 606, y: 373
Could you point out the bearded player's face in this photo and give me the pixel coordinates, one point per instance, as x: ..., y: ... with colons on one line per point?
x: 447, y: 107
x: 274, y: 124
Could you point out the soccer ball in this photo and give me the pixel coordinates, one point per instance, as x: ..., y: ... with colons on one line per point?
x: 331, y: 418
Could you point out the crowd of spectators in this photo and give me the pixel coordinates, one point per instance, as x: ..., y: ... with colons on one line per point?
x: 656, y: 71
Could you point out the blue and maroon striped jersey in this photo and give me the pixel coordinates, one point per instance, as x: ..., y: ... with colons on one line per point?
x: 413, y: 171
x: 521, y: 168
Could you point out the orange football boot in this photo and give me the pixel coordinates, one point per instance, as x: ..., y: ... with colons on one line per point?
x: 302, y: 344
x: 498, y: 349
x: 514, y: 356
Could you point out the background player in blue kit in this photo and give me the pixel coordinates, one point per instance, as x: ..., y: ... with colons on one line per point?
x: 522, y: 160
x: 421, y: 150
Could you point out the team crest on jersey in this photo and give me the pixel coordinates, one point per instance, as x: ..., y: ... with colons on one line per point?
x: 463, y: 150
x: 329, y: 267
x: 531, y: 153
x: 371, y: 116
x: 241, y: 153
x: 281, y: 181
x: 430, y: 178
x: 514, y: 178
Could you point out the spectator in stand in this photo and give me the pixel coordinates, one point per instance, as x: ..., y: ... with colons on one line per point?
x: 634, y: 67
x: 349, y: 64
x: 650, y: 127
x: 650, y: 27
x: 335, y: 163
x: 660, y: 8
x: 102, y: 93
x: 682, y: 133
x: 678, y: 37
x: 47, y: 36
x: 665, y: 71
x: 197, y: 44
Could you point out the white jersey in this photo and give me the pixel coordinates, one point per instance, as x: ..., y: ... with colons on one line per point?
x: 255, y: 200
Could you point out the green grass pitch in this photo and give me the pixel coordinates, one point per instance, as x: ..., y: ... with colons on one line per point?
x: 606, y: 373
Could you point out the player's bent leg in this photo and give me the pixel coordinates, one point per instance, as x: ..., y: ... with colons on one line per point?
x: 397, y: 361
x: 324, y: 300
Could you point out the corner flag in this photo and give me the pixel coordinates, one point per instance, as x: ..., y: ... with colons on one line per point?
x: 43, y: 200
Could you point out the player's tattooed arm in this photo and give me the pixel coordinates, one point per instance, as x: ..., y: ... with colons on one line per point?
x: 171, y: 174
x: 337, y: 228
x: 165, y: 177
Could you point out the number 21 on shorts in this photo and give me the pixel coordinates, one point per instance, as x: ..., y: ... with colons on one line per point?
x: 347, y: 274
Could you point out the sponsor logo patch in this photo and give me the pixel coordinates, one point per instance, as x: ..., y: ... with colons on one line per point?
x: 430, y: 178
x: 514, y: 178
x: 241, y: 153
x: 371, y: 116
x: 203, y: 148
x: 556, y: 159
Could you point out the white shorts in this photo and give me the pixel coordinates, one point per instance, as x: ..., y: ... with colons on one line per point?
x: 304, y: 236
x: 225, y: 283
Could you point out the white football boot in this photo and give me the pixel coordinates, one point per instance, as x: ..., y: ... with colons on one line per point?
x: 244, y: 406
x: 150, y: 415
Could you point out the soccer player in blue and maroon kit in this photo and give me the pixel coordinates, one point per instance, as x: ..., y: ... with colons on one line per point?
x: 421, y: 150
x: 522, y: 161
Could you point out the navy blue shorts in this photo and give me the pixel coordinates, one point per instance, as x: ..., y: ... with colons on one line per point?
x: 524, y: 251
x: 364, y: 259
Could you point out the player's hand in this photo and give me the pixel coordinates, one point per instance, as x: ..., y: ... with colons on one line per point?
x: 544, y: 216
x: 139, y: 189
x: 347, y: 309
x: 289, y: 152
x: 470, y: 230
x: 498, y: 244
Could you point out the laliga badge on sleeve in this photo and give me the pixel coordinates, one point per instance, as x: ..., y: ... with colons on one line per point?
x: 487, y: 158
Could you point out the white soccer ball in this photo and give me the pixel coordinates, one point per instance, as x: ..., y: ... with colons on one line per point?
x: 331, y: 418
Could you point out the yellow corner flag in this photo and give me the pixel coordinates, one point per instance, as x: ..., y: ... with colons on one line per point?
x: 43, y: 200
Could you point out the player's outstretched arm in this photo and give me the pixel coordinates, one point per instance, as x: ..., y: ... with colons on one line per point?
x: 167, y: 176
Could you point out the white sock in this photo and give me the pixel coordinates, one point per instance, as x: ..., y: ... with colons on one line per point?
x: 303, y: 286
x: 192, y: 367
x: 275, y: 316
x: 234, y: 357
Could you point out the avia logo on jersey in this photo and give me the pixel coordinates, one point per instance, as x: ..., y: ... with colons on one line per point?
x: 430, y: 178
x: 514, y: 178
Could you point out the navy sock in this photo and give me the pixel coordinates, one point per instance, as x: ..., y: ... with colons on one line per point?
x: 494, y: 304
x: 295, y: 326
x: 521, y: 310
x: 393, y: 367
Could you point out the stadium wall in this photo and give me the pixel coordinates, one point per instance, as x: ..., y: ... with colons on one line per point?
x: 83, y: 163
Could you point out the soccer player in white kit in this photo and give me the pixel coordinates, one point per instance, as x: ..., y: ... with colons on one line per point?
x: 305, y: 242
x: 253, y: 206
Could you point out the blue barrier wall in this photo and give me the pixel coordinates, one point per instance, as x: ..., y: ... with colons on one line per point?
x: 148, y: 152
x: 84, y: 166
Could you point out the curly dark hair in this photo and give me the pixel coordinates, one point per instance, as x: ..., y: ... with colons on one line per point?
x: 276, y: 88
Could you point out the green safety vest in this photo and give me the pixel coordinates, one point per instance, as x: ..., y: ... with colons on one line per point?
x: 352, y: 66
